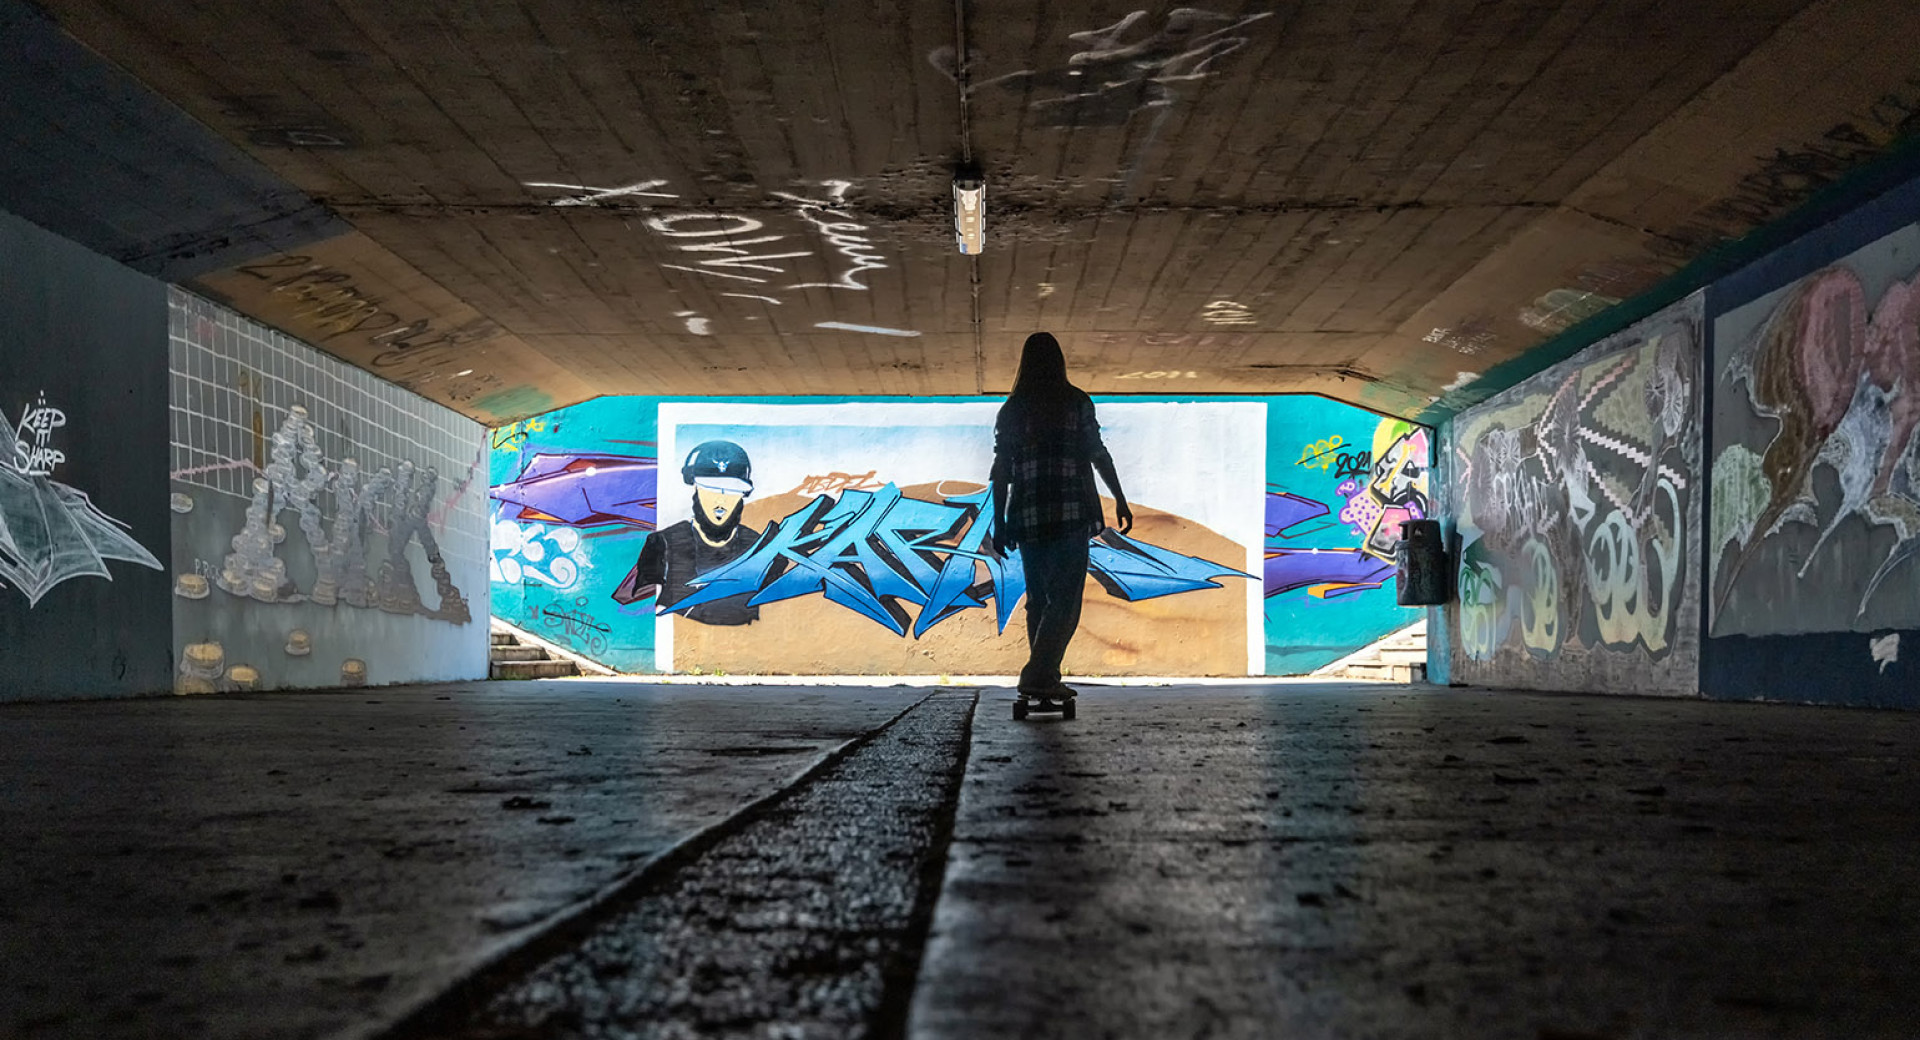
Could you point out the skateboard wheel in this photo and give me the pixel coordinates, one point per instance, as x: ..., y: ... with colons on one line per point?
x: 1019, y: 710
x: 1066, y: 710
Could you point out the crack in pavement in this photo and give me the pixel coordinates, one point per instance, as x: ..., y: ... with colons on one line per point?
x: 803, y: 916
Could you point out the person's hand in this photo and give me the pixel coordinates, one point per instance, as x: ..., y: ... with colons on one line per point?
x: 1124, y: 515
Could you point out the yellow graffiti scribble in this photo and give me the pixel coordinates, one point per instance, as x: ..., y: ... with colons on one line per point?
x: 1321, y: 452
x: 508, y: 437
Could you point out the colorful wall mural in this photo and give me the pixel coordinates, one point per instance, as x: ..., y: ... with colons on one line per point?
x: 849, y: 537
x: 83, y: 521
x: 328, y: 527
x: 1576, y: 499
x: 1815, y: 497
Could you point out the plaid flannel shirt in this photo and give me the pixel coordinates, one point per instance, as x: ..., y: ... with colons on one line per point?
x: 1049, y: 473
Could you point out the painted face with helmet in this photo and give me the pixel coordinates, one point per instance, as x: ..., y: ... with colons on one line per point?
x: 722, y: 478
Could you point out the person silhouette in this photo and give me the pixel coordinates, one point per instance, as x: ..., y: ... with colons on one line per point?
x: 1046, y: 447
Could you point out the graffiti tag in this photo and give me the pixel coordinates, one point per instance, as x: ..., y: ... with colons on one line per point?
x: 829, y: 483
x: 1319, y: 454
x: 33, y: 455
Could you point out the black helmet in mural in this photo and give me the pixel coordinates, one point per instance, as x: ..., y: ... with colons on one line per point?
x: 720, y: 465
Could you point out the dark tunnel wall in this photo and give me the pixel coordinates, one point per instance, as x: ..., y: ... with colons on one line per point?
x: 84, y: 608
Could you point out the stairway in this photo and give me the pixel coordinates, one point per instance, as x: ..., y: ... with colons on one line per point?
x: 512, y: 659
x: 1400, y: 658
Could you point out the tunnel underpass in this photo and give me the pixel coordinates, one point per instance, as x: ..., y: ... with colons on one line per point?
x: 1501, y: 587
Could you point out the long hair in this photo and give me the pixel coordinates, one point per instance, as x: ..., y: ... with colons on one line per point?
x: 1042, y: 395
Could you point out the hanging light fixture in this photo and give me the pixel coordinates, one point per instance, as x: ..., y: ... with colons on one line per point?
x: 969, y: 211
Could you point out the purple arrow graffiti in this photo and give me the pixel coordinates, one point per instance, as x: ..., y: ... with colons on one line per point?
x: 1342, y: 571
x: 584, y: 490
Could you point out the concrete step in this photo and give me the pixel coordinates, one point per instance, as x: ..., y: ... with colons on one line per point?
x: 1397, y: 655
x: 1396, y: 673
x: 532, y: 669
x: 518, y: 653
x: 504, y: 639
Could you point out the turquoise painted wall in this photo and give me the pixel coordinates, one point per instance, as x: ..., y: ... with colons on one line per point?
x: 1312, y: 491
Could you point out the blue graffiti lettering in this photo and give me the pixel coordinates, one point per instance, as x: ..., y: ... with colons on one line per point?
x: 878, y: 553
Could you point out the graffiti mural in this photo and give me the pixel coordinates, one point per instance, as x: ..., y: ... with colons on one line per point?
x: 392, y: 503
x: 1577, y: 499
x: 51, y: 532
x: 1816, y: 480
x: 1379, y: 487
x: 1323, y: 572
x: 853, y: 537
x: 1387, y: 486
x: 317, y: 541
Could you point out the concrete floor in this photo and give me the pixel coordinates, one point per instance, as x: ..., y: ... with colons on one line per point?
x: 1262, y: 860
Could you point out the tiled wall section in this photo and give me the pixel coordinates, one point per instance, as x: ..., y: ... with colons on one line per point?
x: 347, y: 547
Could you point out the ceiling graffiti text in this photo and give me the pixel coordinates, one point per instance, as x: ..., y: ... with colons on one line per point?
x: 742, y: 247
x: 332, y: 304
x: 1227, y: 312
x: 1790, y: 176
x: 1123, y: 68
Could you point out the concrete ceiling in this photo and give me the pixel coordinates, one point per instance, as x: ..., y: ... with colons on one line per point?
x: 545, y: 201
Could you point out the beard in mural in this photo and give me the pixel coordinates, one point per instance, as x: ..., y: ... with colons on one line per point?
x: 721, y: 475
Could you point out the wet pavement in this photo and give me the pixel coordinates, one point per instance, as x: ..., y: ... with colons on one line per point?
x: 1208, y: 861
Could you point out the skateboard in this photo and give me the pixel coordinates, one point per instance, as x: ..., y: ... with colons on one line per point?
x: 1032, y: 704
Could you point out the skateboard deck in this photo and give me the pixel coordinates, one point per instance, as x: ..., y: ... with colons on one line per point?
x: 1032, y: 704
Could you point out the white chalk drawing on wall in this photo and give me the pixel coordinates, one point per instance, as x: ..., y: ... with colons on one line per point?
x: 50, y: 532
x: 1838, y: 380
x: 536, y: 554
x: 1122, y: 68
x: 1226, y: 312
x: 395, y: 503
x: 1885, y: 650
x: 1576, y: 495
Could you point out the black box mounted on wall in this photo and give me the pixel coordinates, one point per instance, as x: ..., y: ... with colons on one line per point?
x: 1420, y: 564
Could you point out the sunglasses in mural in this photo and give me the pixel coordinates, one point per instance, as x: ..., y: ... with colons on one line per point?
x: 901, y: 561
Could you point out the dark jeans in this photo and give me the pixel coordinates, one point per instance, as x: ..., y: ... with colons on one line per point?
x: 1056, y: 570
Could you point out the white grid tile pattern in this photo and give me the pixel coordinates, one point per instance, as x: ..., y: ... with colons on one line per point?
x: 226, y: 368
